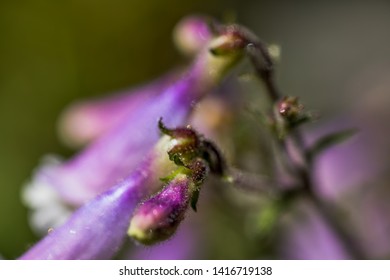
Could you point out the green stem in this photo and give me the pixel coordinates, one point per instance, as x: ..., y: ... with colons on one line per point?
x: 264, y: 67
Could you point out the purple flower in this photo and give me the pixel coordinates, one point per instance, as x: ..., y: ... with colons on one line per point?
x: 98, y: 229
x: 87, y: 120
x: 114, y: 155
x: 112, y: 167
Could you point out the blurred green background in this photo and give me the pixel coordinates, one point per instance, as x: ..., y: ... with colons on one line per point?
x: 334, y: 53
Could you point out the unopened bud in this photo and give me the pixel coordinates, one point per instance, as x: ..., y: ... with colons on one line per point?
x: 191, y: 34
x: 289, y: 107
x: 157, y: 218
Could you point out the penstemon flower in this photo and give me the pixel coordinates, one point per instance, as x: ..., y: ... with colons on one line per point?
x: 85, y: 121
x: 98, y: 229
x: 123, y: 194
x: 116, y: 153
x: 103, y: 163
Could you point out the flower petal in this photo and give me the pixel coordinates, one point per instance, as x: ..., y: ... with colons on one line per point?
x: 117, y: 153
x: 85, y: 121
x: 95, y: 231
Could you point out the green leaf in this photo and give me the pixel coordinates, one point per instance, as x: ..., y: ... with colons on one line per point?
x: 330, y: 140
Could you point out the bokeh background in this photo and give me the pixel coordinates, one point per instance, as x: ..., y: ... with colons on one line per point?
x: 335, y: 57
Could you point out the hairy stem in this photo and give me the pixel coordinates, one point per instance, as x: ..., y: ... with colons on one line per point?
x: 264, y: 67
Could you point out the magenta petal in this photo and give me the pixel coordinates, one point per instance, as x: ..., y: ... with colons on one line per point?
x: 98, y: 229
x: 116, y: 154
x: 85, y: 121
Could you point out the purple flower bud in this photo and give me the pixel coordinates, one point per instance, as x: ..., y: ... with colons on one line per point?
x: 157, y: 218
x: 191, y: 34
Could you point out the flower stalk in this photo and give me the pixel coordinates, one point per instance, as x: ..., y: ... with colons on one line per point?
x: 290, y: 112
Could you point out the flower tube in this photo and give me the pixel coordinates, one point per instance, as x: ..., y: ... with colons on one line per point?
x: 114, y: 155
x: 98, y: 229
x: 85, y: 121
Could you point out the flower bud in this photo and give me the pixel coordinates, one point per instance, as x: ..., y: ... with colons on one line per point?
x: 191, y: 34
x: 157, y: 218
x: 289, y: 107
x: 288, y: 113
